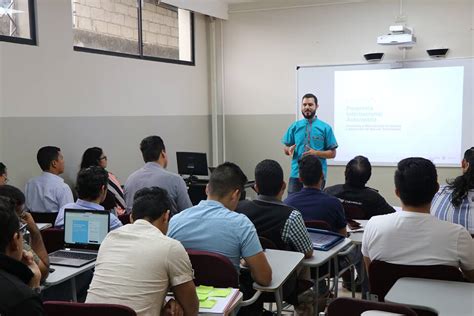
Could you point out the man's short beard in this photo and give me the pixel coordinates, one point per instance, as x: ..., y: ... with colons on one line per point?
x: 310, y: 116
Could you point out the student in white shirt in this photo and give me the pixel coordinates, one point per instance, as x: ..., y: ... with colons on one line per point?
x: 47, y: 193
x: 413, y: 236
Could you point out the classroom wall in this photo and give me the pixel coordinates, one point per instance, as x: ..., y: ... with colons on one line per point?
x: 263, y: 46
x: 52, y: 95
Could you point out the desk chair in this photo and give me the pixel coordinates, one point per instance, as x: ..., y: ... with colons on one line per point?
x: 353, y: 307
x: 124, y: 218
x: 267, y: 243
x: 53, y: 239
x: 317, y: 224
x: 383, y: 275
x: 60, y: 308
x: 353, y: 210
x: 213, y: 269
x: 44, y: 217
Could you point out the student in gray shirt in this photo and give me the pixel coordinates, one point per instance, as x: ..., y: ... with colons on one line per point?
x: 154, y: 173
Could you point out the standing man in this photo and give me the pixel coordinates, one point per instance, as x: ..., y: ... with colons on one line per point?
x: 308, y: 136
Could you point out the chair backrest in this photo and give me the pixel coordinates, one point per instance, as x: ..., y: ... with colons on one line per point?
x: 124, y: 218
x: 213, y: 269
x: 353, y: 210
x: 317, y: 224
x: 383, y: 275
x: 44, y: 217
x: 354, y: 307
x: 267, y: 243
x: 60, y: 308
x: 53, y: 239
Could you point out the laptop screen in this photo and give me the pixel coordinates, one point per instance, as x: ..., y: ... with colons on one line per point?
x: 85, y: 228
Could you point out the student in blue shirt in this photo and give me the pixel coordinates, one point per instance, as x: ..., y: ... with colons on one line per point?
x: 308, y: 136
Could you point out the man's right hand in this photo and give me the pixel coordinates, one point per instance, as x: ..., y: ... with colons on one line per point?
x: 28, y: 260
x: 289, y: 150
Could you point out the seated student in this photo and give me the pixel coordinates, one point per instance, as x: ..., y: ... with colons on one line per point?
x: 274, y: 220
x: 455, y: 202
x: 3, y: 174
x: 115, y: 199
x: 48, y: 192
x: 91, y: 186
x: 358, y: 172
x: 413, y: 236
x: 312, y: 202
x: 213, y: 226
x: 137, y: 263
x: 36, y: 245
x: 154, y: 173
x: 19, y: 274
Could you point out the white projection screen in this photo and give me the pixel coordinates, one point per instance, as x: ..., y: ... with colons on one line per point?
x: 388, y: 112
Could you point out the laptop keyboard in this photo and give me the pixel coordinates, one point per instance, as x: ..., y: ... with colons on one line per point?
x: 74, y: 255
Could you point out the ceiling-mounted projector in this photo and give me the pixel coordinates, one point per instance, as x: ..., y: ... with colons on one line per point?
x: 399, y: 35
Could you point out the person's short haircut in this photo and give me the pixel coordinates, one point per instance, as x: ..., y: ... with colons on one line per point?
x: 151, y: 148
x: 226, y: 178
x: 12, y: 193
x: 3, y: 169
x: 150, y: 203
x: 468, y: 154
x: 9, y: 222
x: 89, y: 181
x: 416, y: 180
x: 310, y: 169
x: 46, y: 155
x: 91, y: 157
x: 358, y: 171
x: 269, y: 177
x: 310, y: 95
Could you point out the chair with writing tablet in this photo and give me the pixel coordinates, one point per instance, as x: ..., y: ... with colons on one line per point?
x: 60, y: 308
x: 355, y: 307
x: 213, y: 269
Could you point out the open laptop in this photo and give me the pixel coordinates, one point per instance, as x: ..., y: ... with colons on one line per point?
x: 84, y: 231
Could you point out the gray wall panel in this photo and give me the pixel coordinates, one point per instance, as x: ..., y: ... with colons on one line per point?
x: 118, y: 136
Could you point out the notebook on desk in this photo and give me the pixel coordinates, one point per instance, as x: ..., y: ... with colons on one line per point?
x: 84, y: 231
x: 324, y: 239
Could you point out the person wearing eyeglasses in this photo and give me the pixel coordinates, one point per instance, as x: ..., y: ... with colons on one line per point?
x: 3, y: 174
x: 115, y: 200
x: 19, y: 274
x: 35, y: 244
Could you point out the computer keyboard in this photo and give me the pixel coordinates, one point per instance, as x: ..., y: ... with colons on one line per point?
x: 74, y: 255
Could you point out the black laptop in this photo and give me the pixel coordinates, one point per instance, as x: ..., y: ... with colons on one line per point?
x: 84, y: 231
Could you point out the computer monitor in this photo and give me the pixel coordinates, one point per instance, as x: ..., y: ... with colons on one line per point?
x: 193, y: 164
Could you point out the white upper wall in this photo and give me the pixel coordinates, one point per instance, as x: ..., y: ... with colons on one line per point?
x: 262, y: 47
x: 52, y: 80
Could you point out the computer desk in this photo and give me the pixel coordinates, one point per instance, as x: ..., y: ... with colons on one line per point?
x: 283, y: 263
x: 446, y: 298
x: 321, y: 257
x: 62, y: 274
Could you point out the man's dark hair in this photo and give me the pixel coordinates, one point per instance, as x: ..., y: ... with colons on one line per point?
x: 310, y: 95
x: 90, y: 181
x: 3, y: 168
x: 358, y: 171
x: 310, y: 170
x: 151, y: 148
x: 226, y: 178
x: 46, y: 155
x: 416, y: 180
x: 465, y: 182
x: 12, y: 193
x: 269, y: 177
x: 9, y: 223
x: 91, y: 157
x: 150, y: 203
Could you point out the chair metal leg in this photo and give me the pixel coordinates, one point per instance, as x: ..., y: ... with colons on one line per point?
x: 278, y: 299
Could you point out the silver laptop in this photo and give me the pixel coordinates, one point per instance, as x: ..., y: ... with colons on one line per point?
x: 84, y: 231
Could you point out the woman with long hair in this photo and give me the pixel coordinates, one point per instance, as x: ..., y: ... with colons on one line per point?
x: 455, y: 202
x: 95, y: 156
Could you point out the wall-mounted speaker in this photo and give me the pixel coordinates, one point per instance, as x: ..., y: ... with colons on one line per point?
x: 373, y: 57
x: 437, y: 52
